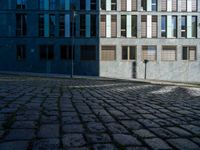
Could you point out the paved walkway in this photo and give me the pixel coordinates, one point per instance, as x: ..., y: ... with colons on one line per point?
x: 50, y: 114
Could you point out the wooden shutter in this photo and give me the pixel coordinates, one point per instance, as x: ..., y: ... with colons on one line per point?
x: 149, y: 53
x: 103, y: 26
x: 108, y: 53
x: 154, y: 26
x: 123, y: 5
x: 144, y: 26
x: 169, y: 53
x: 192, y: 53
x: 134, y: 5
x: 163, y: 5
x: 194, y: 5
x: 113, y: 26
x: 183, y: 5
x: 174, y: 5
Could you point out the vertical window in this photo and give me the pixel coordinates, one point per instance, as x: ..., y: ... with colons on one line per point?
x: 154, y: 5
x: 189, y: 53
x: 174, y: 5
x: 169, y: 53
x: 123, y: 5
x: 41, y: 25
x: 194, y: 26
x: 52, y: 4
x: 41, y: 4
x: 52, y: 25
x: 82, y: 25
x: 21, y: 52
x: 183, y: 5
x: 183, y: 26
x: 113, y: 4
x: 143, y: 5
x: 129, y: 53
x: 93, y: 25
x: 82, y: 4
x: 134, y: 26
x: 149, y: 53
x: 93, y: 4
x: 144, y: 27
x: 46, y: 52
x: 21, y: 4
x: 194, y: 5
x: 123, y: 25
x: 163, y: 5
x: 108, y: 53
x: 73, y: 26
x: 113, y: 25
x: 103, y: 26
x: 164, y: 26
x: 62, y: 25
x: 103, y: 4
x: 21, y: 24
x: 134, y: 5
x: 65, y: 52
x: 62, y: 4
x: 174, y: 26
x: 154, y: 27
x: 88, y: 52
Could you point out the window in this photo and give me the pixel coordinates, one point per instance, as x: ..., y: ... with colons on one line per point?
x: 93, y: 5
x: 174, y: 26
x: 134, y: 5
x: 183, y: 5
x: 194, y: 5
x: 123, y: 25
x: 169, y: 53
x: 88, y: 52
x: 62, y: 25
x: 82, y: 25
x: 129, y: 53
x: 144, y: 27
x: 108, y: 53
x: 149, y: 53
x: 21, y: 4
x: 21, y: 52
x: 46, y: 52
x: 103, y: 26
x: 52, y: 4
x: 163, y: 5
x: 113, y: 25
x: 154, y: 26
x: 103, y: 4
x: 143, y: 5
x: 52, y: 25
x: 62, y: 4
x: 194, y: 26
x: 21, y: 24
x: 113, y: 4
x: 93, y: 25
x: 82, y: 4
x: 66, y: 52
x: 189, y: 53
x: 134, y: 26
x: 183, y: 26
x: 41, y: 25
x: 123, y: 5
x: 41, y: 4
x: 164, y: 26
x: 154, y: 5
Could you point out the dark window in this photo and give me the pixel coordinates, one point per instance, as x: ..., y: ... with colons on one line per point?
x: 52, y: 4
x: 46, y: 52
x: 41, y: 4
x: 194, y: 26
x: 62, y: 25
x: 128, y: 52
x: 41, y: 25
x: 113, y: 4
x: 93, y: 5
x: 88, y: 52
x: 154, y: 5
x: 134, y: 26
x: 21, y: 4
x: 21, y: 24
x: 52, y: 25
x: 62, y: 4
x: 66, y: 52
x: 164, y: 26
x: 93, y: 25
x: 103, y: 4
x: 123, y: 25
x: 82, y: 4
x: 21, y: 52
x: 184, y: 26
x: 144, y: 5
x: 189, y: 53
x: 174, y: 25
x: 82, y: 25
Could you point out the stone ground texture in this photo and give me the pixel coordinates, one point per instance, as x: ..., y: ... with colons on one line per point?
x: 55, y: 114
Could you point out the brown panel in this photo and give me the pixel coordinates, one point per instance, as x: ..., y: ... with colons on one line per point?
x: 174, y: 5
x: 154, y: 26
x: 149, y: 53
x: 194, y: 5
x: 192, y: 53
x: 169, y: 53
x: 103, y: 26
x: 108, y: 53
x: 134, y: 5
x: 144, y: 26
x: 163, y: 5
x: 113, y: 26
x: 123, y: 5
x: 183, y: 5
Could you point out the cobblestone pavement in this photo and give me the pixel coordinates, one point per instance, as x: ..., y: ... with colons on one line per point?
x: 50, y: 114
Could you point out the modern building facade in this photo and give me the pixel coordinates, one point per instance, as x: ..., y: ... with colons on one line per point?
x: 108, y: 38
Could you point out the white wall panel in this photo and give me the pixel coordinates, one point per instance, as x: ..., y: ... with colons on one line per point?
x: 108, y: 5
x: 189, y: 26
x: 149, y: 26
x: 129, y: 5
x: 128, y: 26
x: 108, y: 25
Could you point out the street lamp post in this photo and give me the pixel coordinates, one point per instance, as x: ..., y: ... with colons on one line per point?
x: 145, y: 70
x: 72, y: 54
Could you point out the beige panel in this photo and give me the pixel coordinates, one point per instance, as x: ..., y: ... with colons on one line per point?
x: 113, y: 25
x: 108, y: 53
x: 163, y: 5
x: 103, y: 26
x: 144, y: 26
x: 134, y: 5
x: 154, y: 26
x: 123, y: 5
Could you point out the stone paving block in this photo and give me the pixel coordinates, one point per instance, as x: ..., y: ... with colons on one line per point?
x: 144, y: 133
x: 73, y: 140
x: 163, y: 133
x: 104, y: 147
x: 20, y: 134
x: 157, y: 144
x: 125, y: 140
x: 49, y: 120
x: 46, y: 144
x: 192, y: 128
x: 116, y: 128
x: 89, y: 118
x: 137, y: 148
x: 131, y: 124
x: 107, y: 119
x: 14, y: 145
x: 183, y: 144
x: 48, y: 131
x: 148, y: 123
x: 180, y: 132
x: 24, y: 125
x: 70, y: 120
x: 98, y: 138
x: 73, y: 128
x: 95, y: 127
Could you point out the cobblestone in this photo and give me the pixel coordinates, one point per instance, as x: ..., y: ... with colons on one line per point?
x: 83, y: 114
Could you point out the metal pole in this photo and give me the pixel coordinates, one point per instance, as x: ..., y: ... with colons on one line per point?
x: 72, y: 56
x: 145, y: 75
